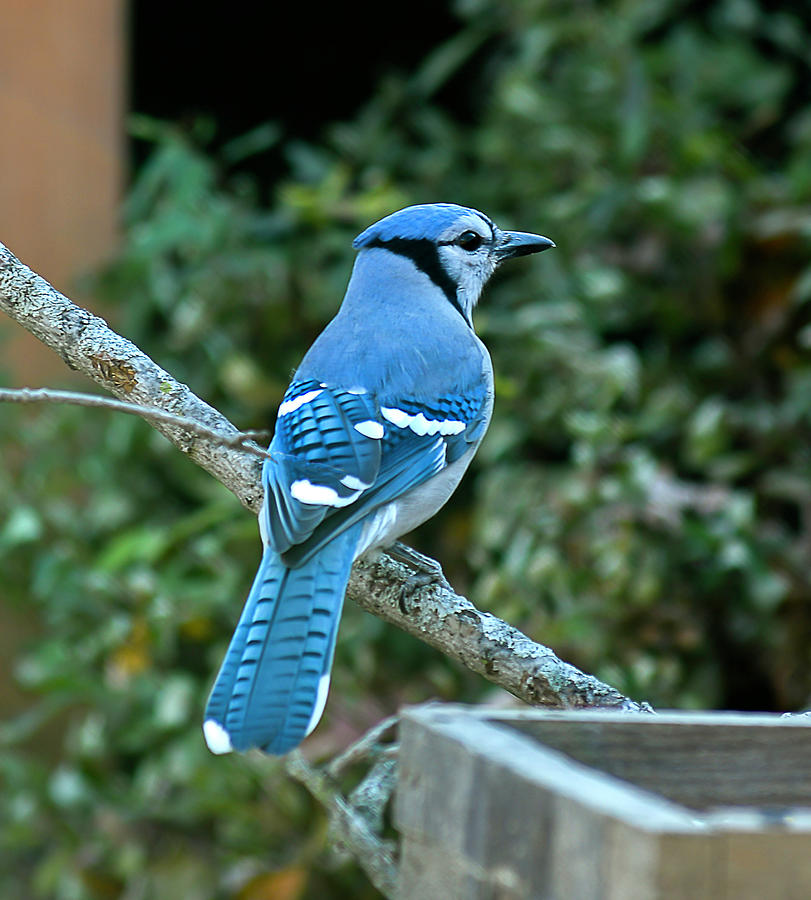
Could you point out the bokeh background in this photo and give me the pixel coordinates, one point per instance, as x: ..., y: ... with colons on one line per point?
x: 642, y: 502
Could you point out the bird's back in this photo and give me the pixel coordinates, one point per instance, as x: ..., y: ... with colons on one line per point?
x: 396, y: 336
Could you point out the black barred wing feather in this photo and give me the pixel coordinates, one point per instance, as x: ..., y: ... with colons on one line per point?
x: 459, y: 419
x: 340, y: 454
x: 326, y: 451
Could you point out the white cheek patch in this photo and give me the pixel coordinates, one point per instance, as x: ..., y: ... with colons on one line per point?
x: 472, y: 280
x: 305, y: 491
x: 370, y: 429
x: 420, y: 425
x: 297, y: 402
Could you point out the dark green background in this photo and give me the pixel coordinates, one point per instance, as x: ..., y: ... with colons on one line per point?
x: 642, y: 502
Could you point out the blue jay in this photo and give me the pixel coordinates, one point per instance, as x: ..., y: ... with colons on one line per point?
x: 372, y: 436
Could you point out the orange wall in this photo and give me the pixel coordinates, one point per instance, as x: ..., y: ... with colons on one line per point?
x: 61, y: 148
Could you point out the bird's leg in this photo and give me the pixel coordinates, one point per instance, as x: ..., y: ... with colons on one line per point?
x: 428, y: 571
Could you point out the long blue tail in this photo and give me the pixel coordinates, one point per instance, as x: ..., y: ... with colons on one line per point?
x: 273, y: 683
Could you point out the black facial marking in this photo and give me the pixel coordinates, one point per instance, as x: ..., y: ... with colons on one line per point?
x: 425, y: 256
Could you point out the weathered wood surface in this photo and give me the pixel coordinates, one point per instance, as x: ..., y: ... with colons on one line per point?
x: 487, y: 809
x: 697, y: 760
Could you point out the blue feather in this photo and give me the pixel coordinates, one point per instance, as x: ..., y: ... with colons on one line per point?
x: 372, y: 436
x: 316, y: 443
x: 267, y: 689
x: 428, y: 220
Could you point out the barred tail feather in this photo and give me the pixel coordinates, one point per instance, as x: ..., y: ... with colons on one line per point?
x: 273, y: 684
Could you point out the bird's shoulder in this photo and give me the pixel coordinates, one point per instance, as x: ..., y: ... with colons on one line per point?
x: 399, y: 356
x: 339, y: 452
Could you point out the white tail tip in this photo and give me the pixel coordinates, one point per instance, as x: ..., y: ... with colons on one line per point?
x: 320, y: 703
x: 217, y: 738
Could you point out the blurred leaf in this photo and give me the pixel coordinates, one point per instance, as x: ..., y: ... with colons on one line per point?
x: 288, y: 884
x: 641, y: 501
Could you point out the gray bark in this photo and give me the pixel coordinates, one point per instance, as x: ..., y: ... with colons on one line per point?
x: 88, y: 345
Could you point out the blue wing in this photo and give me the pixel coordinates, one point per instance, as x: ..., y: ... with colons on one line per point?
x: 321, y: 459
x: 339, y: 454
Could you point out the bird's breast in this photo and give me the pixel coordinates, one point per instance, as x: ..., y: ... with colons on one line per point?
x: 390, y: 522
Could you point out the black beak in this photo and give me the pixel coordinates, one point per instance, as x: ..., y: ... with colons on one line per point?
x: 519, y: 243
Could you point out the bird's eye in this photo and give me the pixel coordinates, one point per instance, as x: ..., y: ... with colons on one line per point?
x: 469, y: 240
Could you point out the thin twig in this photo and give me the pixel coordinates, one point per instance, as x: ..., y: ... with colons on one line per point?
x: 362, y: 748
x: 88, y: 345
x: 241, y: 440
x: 375, y: 855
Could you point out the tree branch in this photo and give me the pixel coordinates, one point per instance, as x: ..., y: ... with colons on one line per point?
x: 240, y: 440
x: 478, y: 640
x: 433, y: 613
x: 357, y: 820
x: 88, y: 345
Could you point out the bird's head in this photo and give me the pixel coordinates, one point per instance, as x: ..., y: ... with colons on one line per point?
x: 456, y: 247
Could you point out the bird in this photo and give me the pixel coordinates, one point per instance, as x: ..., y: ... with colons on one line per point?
x: 378, y: 425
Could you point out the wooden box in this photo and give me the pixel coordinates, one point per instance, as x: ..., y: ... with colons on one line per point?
x: 594, y: 804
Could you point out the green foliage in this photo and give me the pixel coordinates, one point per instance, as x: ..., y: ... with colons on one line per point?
x: 640, y: 503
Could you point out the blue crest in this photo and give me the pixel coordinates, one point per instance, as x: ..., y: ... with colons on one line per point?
x: 428, y: 220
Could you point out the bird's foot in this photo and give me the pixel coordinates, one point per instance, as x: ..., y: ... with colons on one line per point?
x: 428, y: 571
